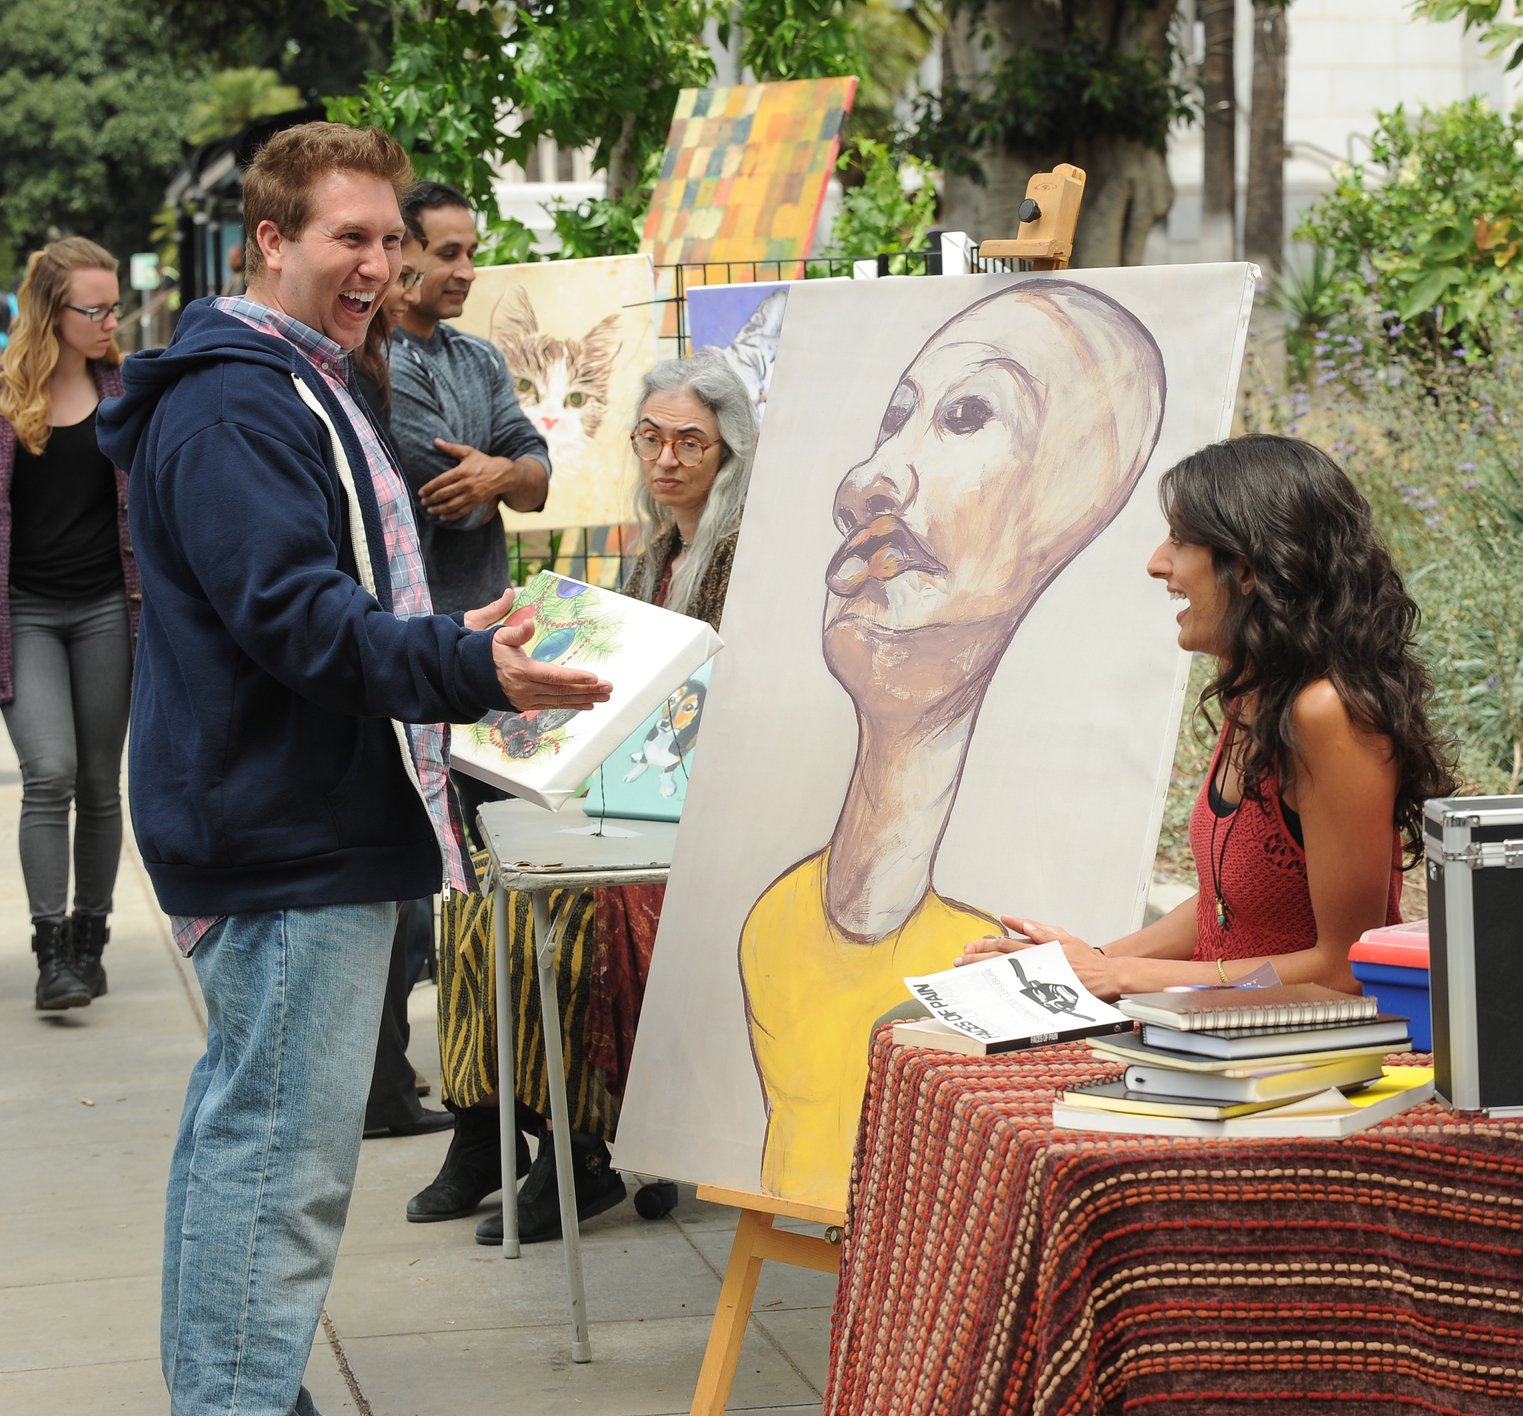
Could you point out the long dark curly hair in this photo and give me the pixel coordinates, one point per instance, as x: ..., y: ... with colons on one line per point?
x: 1326, y: 602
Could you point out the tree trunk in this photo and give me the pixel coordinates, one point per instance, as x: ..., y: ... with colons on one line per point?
x: 1264, y: 218
x: 1127, y: 188
x: 623, y: 173
x: 1218, y: 212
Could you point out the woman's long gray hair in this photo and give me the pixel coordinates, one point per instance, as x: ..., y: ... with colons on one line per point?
x: 715, y: 385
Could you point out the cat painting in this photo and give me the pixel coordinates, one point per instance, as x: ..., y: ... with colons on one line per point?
x: 578, y: 337
x: 754, y: 349
x: 562, y: 383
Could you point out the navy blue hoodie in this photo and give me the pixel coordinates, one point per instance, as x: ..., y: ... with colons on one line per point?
x: 266, y: 771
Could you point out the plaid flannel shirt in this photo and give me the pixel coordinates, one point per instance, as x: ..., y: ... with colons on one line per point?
x: 404, y: 564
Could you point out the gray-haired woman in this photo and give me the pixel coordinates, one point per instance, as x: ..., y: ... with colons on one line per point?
x: 695, y: 437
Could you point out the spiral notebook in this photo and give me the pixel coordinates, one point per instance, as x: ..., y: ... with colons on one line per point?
x: 1291, y: 1005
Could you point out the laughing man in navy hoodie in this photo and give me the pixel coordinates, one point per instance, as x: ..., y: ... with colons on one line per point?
x: 288, y: 766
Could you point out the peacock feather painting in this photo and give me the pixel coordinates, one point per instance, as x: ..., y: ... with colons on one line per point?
x: 645, y: 652
x: 572, y: 628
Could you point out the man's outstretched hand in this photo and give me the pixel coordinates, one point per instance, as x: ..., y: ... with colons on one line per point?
x: 527, y: 683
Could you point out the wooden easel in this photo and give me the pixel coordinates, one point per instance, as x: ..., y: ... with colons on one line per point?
x: 755, y: 1240
x: 1051, y: 211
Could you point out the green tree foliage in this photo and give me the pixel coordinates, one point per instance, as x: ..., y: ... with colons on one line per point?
x: 879, y: 215
x: 94, y: 111
x: 1042, y: 98
x: 320, y: 50
x: 1085, y: 82
x: 894, y: 40
x: 1433, y: 223
x: 797, y: 39
x: 1434, y: 440
x: 468, y: 89
x: 233, y: 97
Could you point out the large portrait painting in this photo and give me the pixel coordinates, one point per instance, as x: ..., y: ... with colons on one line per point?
x: 578, y: 336
x: 951, y: 689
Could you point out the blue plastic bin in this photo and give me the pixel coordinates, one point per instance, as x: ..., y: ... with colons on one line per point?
x: 1402, y: 991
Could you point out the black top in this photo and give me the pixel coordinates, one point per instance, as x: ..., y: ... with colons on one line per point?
x: 1220, y: 806
x: 64, y: 538
x: 370, y: 391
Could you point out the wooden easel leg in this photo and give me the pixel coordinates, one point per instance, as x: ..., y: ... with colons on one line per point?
x: 736, y: 1295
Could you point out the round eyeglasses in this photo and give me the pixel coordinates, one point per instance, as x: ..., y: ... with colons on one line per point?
x: 409, y: 278
x: 96, y: 313
x: 687, y: 450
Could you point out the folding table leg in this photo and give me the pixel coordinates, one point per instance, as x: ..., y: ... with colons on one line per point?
x: 506, y: 1109
x: 546, y: 942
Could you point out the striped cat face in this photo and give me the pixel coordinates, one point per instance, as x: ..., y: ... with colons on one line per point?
x: 562, y: 383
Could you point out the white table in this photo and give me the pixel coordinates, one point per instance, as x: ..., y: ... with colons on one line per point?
x: 539, y: 851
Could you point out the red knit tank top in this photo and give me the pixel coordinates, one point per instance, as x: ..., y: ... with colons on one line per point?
x: 1263, y: 877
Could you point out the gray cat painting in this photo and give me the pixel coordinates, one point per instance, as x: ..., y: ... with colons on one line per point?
x: 754, y: 350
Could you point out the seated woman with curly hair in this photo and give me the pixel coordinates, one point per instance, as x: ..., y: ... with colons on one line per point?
x: 1326, y: 755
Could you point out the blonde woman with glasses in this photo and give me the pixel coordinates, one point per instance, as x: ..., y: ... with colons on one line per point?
x: 69, y: 601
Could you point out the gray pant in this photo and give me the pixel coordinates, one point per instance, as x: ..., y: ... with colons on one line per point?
x: 71, y: 662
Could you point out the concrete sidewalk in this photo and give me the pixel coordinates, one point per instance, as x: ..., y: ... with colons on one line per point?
x: 421, y: 1320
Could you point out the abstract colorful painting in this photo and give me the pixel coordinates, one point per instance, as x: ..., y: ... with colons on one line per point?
x: 945, y: 649
x: 578, y: 337
x: 646, y: 653
x: 745, y: 171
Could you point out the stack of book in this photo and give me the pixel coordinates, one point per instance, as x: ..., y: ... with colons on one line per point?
x: 1296, y: 1060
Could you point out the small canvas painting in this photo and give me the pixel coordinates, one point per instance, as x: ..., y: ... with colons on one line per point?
x: 743, y: 322
x: 647, y: 776
x: 577, y: 336
x: 646, y: 653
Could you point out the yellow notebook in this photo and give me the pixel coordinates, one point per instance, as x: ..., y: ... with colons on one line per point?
x: 1327, y: 1114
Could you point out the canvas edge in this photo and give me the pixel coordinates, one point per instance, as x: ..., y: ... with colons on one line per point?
x: 1251, y: 276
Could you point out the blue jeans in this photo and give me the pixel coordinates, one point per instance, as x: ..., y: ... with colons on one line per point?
x: 269, y: 1141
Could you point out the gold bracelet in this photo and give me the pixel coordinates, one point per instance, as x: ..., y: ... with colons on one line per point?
x: 1222, y: 972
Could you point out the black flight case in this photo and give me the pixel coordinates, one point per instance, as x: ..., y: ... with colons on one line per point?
x: 1474, y: 849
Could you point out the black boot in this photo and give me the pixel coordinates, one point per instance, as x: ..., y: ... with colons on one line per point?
x: 90, y: 935
x: 598, y: 1188
x: 471, y: 1170
x: 58, y: 985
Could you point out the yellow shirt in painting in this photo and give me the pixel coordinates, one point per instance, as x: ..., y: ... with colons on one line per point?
x: 811, y: 997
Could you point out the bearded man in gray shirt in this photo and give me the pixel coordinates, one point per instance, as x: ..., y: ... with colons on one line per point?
x: 464, y: 443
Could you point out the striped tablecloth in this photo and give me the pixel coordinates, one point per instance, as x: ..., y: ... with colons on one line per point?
x: 993, y: 1264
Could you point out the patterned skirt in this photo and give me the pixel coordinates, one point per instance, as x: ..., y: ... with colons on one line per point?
x: 468, y: 1006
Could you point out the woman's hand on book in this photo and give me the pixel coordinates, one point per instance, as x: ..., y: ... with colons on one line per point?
x: 1028, y: 933
x: 1097, y: 973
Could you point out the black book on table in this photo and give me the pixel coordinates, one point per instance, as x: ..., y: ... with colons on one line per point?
x: 1275, y: 1042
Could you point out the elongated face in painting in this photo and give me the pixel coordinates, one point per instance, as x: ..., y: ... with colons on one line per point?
x: 1012, y: 440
